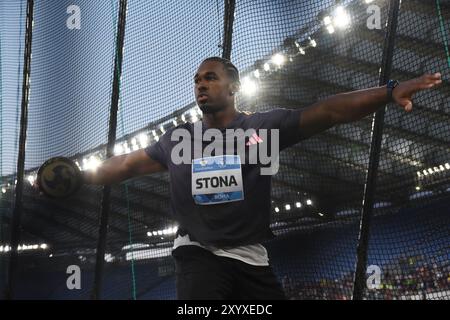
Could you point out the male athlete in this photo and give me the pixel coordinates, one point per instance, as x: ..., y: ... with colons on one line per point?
x: 223, y: 207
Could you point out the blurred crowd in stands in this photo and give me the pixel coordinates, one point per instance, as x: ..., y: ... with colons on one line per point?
x: 406, y: 278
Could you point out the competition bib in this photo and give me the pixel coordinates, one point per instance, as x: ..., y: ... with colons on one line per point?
x: 217, y: 179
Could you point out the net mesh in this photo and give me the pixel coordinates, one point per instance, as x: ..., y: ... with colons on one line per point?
x: 71, y: 75
x: 410, y: 236
x: 12, y: 14
x: 291, y: 54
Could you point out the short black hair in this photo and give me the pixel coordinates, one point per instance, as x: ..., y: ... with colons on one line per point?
x: 229, y: 67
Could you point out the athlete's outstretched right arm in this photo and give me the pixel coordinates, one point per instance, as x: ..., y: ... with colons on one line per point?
x: 119, y: 168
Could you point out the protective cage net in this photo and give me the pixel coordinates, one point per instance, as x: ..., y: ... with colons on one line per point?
x: 156, y: 94
x: 12, y: 15
x: 317, y: 193
x: 291, y: 54
x: 68, y: 112
x: 410, y: 234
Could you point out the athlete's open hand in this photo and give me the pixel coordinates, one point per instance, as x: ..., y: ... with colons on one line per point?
x: 404, y: 92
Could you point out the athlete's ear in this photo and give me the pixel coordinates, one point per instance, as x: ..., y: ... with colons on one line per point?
x: 234, y: 88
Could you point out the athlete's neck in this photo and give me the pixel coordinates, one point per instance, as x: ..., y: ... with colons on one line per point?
x: 220, y: 119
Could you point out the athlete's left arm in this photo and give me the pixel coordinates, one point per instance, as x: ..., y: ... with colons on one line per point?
x: 352, y: 106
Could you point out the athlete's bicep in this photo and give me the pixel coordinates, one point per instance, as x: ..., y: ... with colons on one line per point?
x: 140, y: 162
x: 315, y: 119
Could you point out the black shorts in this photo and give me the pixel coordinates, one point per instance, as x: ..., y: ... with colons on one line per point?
x: 202, y: 275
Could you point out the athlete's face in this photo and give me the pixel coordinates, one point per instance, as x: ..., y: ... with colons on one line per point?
x: 213, y: 87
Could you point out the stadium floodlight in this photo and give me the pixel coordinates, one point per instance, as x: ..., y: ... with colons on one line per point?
x: 278, y: 59
x: 277, y: 209
x: 249, y: 87
x: 447, y: 166
x: 266, y: 67
x: 312, y: 43
x: 194, y: 116
x: 31, y: 178
x: 134, y: 145
x: 126, y: 148
x: 298, y: 204
x: 330, y: 29
x: 341, y: 18
x: 44, y: 246
x: 143, y: 140
x: 93, y: 163
x: 327, y: 20
x: 309, y: 202
x: 287, y: 207
x: 118, y: 150
x: 109, y: 257
x: 256, y: 73
x: 3, y: 190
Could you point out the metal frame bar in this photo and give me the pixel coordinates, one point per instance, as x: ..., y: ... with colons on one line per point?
x: 18, y: 204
